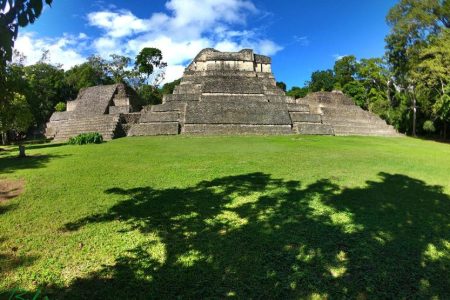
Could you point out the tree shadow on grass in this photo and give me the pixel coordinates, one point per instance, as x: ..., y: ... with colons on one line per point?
x: 9, y: 261
x: 253, y: 236
x: 44, y: 146
x: 10, y: 164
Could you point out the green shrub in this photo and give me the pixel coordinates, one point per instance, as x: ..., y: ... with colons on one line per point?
x: 86, y: 138
x: 428, y: 126
x: 61, y: 106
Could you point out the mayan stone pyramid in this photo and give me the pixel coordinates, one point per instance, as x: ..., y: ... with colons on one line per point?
x: 219, y: 93
x: 229, y: 93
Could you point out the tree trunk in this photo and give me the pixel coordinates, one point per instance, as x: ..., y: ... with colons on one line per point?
x: 22, y: 151
x: 414, y: 115
x: 414, y: 108
x: 445, y: 130
x: 388, y: 92
x: 4, y: 138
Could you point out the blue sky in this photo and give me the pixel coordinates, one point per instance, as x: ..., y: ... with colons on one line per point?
x: 300, y: 36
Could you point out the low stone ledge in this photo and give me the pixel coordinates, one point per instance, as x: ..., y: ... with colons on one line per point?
x: 305, y: 117
x: 182, y: 97
x: 240, y: 129
x: 59, y: 116
x: 155, y: 117
x: 148, y: 129
x: 315, y: 129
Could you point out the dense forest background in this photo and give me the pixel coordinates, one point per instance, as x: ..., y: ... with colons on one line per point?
x: 408, y: 86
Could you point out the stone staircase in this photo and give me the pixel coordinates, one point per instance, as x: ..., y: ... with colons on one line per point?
x: 305, y: 122
x: 107, y: 125
x: 163, y: 119
x: 339, y: 112
x: 94, y: 101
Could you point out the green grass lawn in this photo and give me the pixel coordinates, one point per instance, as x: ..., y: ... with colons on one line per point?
x: 217, y: 217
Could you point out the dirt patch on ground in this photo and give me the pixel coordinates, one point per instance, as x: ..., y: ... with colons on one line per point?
x: 10, y: 188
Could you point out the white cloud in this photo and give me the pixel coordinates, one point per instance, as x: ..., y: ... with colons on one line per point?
x: 339, y: 56
x: 62, y: 50
x: 117, y: 24
x: 180, y: 33
x: 173, y: 72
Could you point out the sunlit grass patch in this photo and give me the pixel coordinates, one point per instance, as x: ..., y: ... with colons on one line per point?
x: 239, y: 217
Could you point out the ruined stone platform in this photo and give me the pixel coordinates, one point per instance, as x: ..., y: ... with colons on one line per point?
x: 229, y: 93
x: 96, y: 109
x: 219, y: 93
x: 340, y: 112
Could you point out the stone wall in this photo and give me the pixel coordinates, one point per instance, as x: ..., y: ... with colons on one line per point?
x: 244, y: 60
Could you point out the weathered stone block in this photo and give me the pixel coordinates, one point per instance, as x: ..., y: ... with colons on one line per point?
x: 241, y: 129
x: 113, y: 110
x: 316, y: 129
x: 305, y: 117
x: 145, y: 129
x: 155, y: 117
x: 237, y: 113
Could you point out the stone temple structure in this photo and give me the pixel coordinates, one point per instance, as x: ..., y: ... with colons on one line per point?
x: 219, y: 93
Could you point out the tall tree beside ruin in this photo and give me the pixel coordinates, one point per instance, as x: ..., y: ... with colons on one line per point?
x: 14, y: 14
x: 412, y: 22
x: 149, y: 63
x: 322, y: 81
x: 344, y: 70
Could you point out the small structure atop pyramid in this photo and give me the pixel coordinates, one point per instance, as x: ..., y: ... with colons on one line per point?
x: 219, y: 93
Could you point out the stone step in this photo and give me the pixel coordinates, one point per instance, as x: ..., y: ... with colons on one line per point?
x: 344, y: 108
x: 294, y: 107
x: 106, y: 125
x: 305, y: 117
x: 235, y: 129
x: 362, y: 130
x: 181, y: 97
x: 231, y: 97
x: 187, y: 88
x: 144, y: 129
x: 131, y: 118
x: 155, y: 117
x: 356, y: 122
x: 368, y: 133
x: 64, y: 130
x: 169, y: 106
x: 313, y: 128
x: 230, y: 85
x: 348, y: 114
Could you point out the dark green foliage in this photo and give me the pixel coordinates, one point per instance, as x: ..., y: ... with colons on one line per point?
x: 16, y: 115
x: 149, y: 95
x: 357, y: 91
x: 90, y: 73
x: 298, y: 92
x: 322, y: 81
x: 20, y: 13
x: 281, y: 85
x: 86, y: 138
x: 149, y: 65
x: 148, y: 59
x: 45, y: 88
x: 118, y: 68
x: 60, y: 106
x: 169, y: 87
x: 428, y: 126
x: 344, y: 70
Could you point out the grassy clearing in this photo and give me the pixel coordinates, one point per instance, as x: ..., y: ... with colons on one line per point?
x: 244, y: 217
